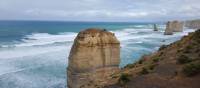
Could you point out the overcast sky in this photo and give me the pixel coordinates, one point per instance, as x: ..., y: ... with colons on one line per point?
x: 99, y: 10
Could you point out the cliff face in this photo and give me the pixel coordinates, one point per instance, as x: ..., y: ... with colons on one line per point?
x: 173, y: 26
x: 173, y: 66
x: 177, y: 26
x: 194, y: 24
x: 93, y: 58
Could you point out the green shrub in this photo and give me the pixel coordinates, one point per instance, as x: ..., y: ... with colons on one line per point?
x: 144, y: 71
x: 187, y: 49
x: 162, y: 47
x: 140, y: 61
x: 179, y: 50
x: 143, y: 58
x: 156, y: 59
x: 124, y: 78
x: 152, y: 66
x: 183, y: 59
x: 130, y: 66
x: 191, y: 69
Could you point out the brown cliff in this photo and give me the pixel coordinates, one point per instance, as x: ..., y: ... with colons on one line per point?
x: 173, y: 66
x: 173, y: 26
x: 193, y: 24
x: 94, y: 56
x: 177, y: 26
x: 169, y: 29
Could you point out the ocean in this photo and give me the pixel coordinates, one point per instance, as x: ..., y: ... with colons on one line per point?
x: 33, y: 54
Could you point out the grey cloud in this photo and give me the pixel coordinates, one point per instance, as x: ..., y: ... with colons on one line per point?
x: 99, y: 10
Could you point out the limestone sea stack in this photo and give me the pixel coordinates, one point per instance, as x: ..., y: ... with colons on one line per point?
x: 173, y: 26
x: 155, y: 27
x: 169, y: 29
x: 94, y: 56
x: 177, y: 26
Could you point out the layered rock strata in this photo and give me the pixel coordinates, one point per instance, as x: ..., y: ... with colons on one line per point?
x: 169, y: 29
x: 193, y: 24
x: 94, y: 56
x: 173, y: 26
x: 177, y: 26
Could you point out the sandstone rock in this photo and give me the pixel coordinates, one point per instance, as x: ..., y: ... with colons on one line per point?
x: 193, y: 24
x: 169, y: 28
x: 177, y: 26
x: 155, y: 27
x: 93, y: 58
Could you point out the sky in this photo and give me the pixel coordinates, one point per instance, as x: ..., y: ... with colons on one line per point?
x: 100, y: 10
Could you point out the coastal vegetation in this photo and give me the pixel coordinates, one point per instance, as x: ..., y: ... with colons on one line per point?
x: 192, y: 69
x: 175, y: 64
x: 124, y: 78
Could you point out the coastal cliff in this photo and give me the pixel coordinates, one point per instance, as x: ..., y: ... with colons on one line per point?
x: 177, y: 26
x: 173, y: 66
x: 94, y: 56
x: 193, y: 24
x: 173, y: 26
x: 168, y: 30
x: 94, y: 61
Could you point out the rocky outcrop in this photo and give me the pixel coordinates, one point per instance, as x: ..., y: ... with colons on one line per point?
x: 173, y: 66
x: 155, y: 27
x: 169, y: 29
x: 193, y: 24
x: 173, y: 26
x: 177, y: 26
x: 94, y: 56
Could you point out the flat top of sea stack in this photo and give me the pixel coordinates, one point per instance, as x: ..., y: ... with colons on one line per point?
x: 95, y: 30
x: 95, y: 36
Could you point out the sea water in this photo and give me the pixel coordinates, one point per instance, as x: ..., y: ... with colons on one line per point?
x: 33, y: 54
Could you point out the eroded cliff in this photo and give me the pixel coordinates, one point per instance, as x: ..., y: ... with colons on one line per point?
x: 173, y: 66
x: 173, y: 26
x: 193, y: 24
x: 169, y: 29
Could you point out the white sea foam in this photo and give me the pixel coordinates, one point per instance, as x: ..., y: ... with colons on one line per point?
x: 45, y: 38
x: 31, y: 51
x: 34, y: 70
x: 42, y: 40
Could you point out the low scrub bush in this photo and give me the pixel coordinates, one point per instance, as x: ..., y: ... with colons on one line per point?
x: 124, y: 78
x: 144, y: 71
x: 156, y: 59
x: 183, y: 59
x: 152, y: 66
x: 130, y: 66
x: 162, y: 47
x: 140, y: 61
x: 192, y: 68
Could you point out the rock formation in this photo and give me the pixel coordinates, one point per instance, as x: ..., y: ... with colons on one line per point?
x: 155, y: 27
x: 173, y: 26
x: 94, y: 56
x: 169, y: 29
x: 176, y: 65
x: 177, y: 26
x: 193, y: 24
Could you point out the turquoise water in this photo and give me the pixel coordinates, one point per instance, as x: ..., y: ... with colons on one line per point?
x: 33, y: 54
